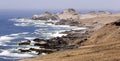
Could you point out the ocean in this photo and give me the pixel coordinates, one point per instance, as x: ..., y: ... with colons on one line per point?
x: 13, y: 31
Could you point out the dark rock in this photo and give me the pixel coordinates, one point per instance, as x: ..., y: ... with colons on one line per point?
x: 68, y: 22
x: 25, y: 42
x: 117, y: 23
x: 38, y: 40
x: 24, y: 50
x: 72, y: 40
x: 47, y: 51
x: 58, y: 41
x: 42, y: 45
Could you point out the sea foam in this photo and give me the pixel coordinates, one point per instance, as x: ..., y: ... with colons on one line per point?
x: 10, y: 54
x: 6, y: 38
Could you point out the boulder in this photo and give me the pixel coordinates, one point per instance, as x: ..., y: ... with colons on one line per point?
x: 24, y: 50
x: 25, y: 42
x: 38, y: 40
x: 117, y: 23
x: 42, y: 45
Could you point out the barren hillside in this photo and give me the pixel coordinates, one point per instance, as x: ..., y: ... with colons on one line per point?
x: 108, y: 33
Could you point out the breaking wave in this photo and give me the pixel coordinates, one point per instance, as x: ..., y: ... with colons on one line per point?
x: 43, y: 29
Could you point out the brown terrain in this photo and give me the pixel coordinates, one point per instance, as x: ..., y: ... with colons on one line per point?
x: 102, y: 45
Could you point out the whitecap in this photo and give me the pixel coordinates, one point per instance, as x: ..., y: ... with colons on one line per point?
x: 53, y: 34
x: 10, y: 54
x: 81, y: 28
x: 24, y: 33
x: 14, y: 34
x: 29, y: 38
x: 22, y: 24
x: 43, y: 54
x: 6, y: 38
x: 13, y: 59
x: 61, y: 25
x: 57, y: 34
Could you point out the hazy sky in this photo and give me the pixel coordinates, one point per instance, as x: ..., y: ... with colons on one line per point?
x: 58, y: 4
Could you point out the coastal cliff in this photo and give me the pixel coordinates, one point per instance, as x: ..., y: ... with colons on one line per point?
x: 99, y: 42
x: 103, y: 45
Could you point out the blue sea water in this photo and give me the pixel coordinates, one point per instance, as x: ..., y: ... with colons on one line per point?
x: 13, y: 31
x: 7, y: 27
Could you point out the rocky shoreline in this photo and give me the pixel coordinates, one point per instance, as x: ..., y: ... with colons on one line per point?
x: 74, y: 38
x: 57, y: 43
x: 102, y: 45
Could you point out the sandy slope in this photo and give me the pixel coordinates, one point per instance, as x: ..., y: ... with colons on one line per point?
x: 104, y: 52
x: 106, y: 34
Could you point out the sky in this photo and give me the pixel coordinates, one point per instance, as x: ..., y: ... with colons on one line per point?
x: 60, y: 4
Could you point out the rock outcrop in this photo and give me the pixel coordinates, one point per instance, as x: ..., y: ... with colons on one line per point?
x: 72, y: 40
x: 69, y: 14
x: 45, y: 16
x: 70, y: 22
x: 66, y: 14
